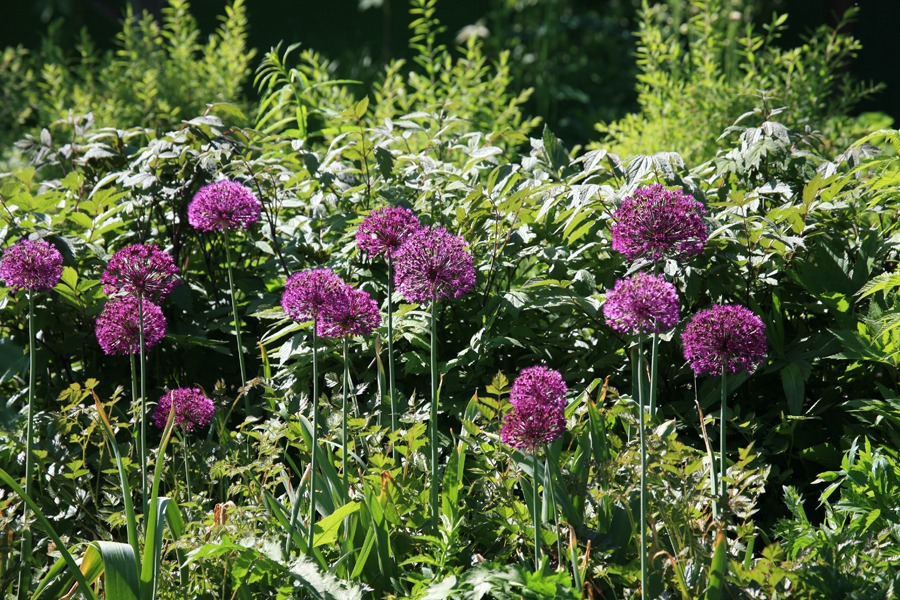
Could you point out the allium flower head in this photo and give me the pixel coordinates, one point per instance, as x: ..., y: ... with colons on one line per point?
x: 31, y: 265
x: 140, y: 269
x: 118, y: 326
x: 532, y: 425
x: 350, y: 312
x: 726, y: 335
x: 385, y: 230
x: 223, y: 205
x: 308, y: 293
x: 193, y: 410
x: 657, y: 223
x: 539, y: 385
x: 433, y: 264
x: 642, y: 304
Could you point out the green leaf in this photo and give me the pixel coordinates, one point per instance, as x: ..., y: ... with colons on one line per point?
x: 327, y: 528
x: 120, y: 576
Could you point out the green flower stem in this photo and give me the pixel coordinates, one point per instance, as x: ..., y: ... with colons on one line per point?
x: 654, y: 354
x: 237, y: 325
x: 723, y: 493
x: 641, y: 425
x: 346, y: 390
x: 432, y: 422
x: 25, y: 573
x: 143, y: 415
x: 187, y: 471
x: 535, y: 509
x: 315, y: 437
x: 390, y: 344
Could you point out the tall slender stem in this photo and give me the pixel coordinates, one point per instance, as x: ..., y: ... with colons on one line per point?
x: 536, y: 510
x: 143, y: 415
x: 641, y: 425
x: 187, y: 471
x: 654, y: 354
x: 346, y: 390
x: 432, y: 423
x: 25, y: 573
x: 315, y: 436
x: 237, y: 325
x: 390, y: 344
x: 723, y: 494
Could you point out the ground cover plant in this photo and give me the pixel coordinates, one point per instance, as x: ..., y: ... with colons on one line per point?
x: 407, y: 344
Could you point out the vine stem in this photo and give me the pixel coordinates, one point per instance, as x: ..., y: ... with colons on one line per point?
x: 642, y: 426
x: 432, y: 422
x: 143, y: 415
x: 237, y: 325
x: 25, y: 573
x: 535, y: 509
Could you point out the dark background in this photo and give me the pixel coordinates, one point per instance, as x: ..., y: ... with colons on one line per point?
x: 339, y: 29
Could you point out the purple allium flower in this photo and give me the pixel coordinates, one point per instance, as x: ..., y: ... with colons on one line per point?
x: 538, y: 384
x: 433, y: 264
x: 140, y: 269
x: 726, y: 335
x: 193, y: 410
x: 308, y: 293
x: 533, y: 424
x: 118, y: 326
x: 31, y: 265
x: 351, y: 312
x: 656, y: 223
x: 223, y: 205
x: 642, y: 304
x: 385, y: 230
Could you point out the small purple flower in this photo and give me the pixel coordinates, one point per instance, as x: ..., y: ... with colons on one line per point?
x: 193, y: 410
x: 385, y: 230
x: 433, y: 264
x: 223, y: 205
x: 656, y: 223
x: 308, y: 293
x: 540, y: 385
x: 140, y: 269
x: 31, y: 265
x: 118, y: 326
x: 533, y: 424
x: 642, y: 304
x: 350, y: 312
x: 726, y: 335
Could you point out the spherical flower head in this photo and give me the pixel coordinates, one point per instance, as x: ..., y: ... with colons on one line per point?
x: 539, y: 385
x: 433, y: 264
x: 118, y: 326
x: 349, y: 312
x: 642, y: 304
x: 193, y: 410
x: 140, y: 269
x: 385, y: 230
x: 306, y: 294
x: 223, y: 205
x: 656, y: 223
x: 726, y: 335
x: 31, y: 265
x: 533, y: 424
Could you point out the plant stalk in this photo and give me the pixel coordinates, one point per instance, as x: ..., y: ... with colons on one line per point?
x: 25, y: 573
x: 643, y: 438
x: 654, y: 355
x: 536, y: 510
x: 346, y: 390
x: 143, y: 414
x: 390, y: 344
x: 315, y: 437
x: 432, y: 422
x: 237, y: 325
x: 723, y: 491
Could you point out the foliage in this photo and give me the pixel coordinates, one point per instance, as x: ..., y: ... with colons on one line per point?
x: 702, y: 64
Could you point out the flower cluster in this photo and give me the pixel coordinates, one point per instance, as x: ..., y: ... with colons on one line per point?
x: 433, y: 264
x: 308, y: 293
x: 728, y: 336
x: 118, y: 326
x: 141, y: 269
x: 656, y: 223
x: 384, y: 230
x: 351, y: 312
x: 642, y: 304
x: 538, y: 417
x: 223, y: 205
x: 193, y: 410
x: 31, y: 265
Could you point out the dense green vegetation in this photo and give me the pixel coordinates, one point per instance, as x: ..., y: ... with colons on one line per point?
x: 802, y: 202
